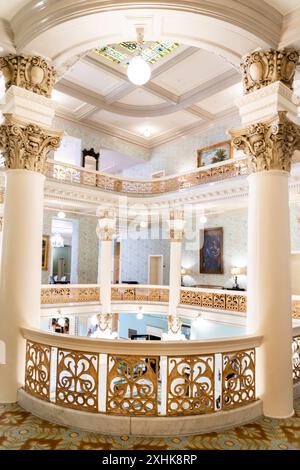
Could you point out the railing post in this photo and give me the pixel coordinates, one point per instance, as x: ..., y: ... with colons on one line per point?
x: 163, y: 379
x: 102, y: 382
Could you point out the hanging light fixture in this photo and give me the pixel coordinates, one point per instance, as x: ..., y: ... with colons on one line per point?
x: 57, y: 241
x: 61, y: 214
x: 139, y: 71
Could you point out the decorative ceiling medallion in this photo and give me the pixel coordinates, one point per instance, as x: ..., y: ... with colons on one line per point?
x: 123, y: 52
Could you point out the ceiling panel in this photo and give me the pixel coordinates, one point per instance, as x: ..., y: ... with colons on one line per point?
x: 141, y: 97
x: 155, y: 125
x: 92, y: 78
x: 66, y: 101
x: 222, y: 100
x: 192, y: 72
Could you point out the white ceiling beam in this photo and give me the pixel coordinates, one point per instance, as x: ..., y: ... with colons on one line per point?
x: 200, y: 112
x: 84, y: 111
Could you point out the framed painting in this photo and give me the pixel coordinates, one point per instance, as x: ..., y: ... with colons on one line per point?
x: 214, y: 154
x: 45, y: 252
x: 211, y: 253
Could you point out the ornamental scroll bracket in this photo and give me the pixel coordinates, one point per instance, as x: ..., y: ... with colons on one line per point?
x: 269, y: 144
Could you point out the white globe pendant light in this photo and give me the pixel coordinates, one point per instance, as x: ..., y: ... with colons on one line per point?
x: 138, y: 71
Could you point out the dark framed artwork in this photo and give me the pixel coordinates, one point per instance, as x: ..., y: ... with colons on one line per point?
x: 45, y: 252
x: 211, y: 253
x: 214, y: 154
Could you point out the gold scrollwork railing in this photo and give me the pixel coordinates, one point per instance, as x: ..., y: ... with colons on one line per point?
x: 75, y: 175
x: 68, y: 294
x: 140, y: 293
x: 132, y: 385
x: 140, y: 382
x: 224, y: 301
x: 296, y: 359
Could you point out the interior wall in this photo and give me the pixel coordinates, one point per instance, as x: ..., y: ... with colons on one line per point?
x: 98, y: 140
x: 134, y: 259
x: 179, y: 155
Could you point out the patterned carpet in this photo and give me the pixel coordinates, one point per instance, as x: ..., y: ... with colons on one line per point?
x: 21, y: 430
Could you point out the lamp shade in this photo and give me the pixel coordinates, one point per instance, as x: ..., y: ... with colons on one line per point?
x: 237, y: 271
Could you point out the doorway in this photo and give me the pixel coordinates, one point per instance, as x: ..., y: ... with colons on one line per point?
x: 155, y: 269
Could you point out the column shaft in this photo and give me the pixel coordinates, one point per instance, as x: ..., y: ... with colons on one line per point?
x: 175, y: 277
x: 105, y: 275
x: 20, y: 272
x: 269, y: 288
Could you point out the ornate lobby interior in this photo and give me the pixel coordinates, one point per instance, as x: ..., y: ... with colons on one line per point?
x: 149, y: 225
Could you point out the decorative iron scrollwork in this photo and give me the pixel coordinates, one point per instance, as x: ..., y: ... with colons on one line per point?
x: 37, y: 370
x: 132, y: 385
x: 238, y: 378
x: 190, y: 385
x: 77, y: 379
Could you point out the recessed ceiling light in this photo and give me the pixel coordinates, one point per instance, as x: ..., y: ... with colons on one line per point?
x: 147, y: 133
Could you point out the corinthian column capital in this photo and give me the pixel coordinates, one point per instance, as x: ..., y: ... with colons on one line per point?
x: 106, y: 228
x: 270, y: 144
x: 26, y: 146
x: 261, y: 68
x: 30, y: 72
x: 176, y: 225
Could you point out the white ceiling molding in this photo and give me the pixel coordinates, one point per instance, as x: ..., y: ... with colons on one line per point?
x: 31, y: 23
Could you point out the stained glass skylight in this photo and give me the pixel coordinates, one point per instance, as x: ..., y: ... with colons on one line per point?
x: 123, y: 52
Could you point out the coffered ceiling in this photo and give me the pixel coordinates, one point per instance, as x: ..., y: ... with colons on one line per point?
x: 189, y: 89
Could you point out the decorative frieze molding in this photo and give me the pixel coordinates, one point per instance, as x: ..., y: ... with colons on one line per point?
x: 30, y: 72
x: 26, y: 146
x: 261, y: 68
x: 270, y: 144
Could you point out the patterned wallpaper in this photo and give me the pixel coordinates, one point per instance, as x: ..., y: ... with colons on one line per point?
x: 99, y: 140
x: 180, y: 155
x: 134, y: 253
x: 85, y: 247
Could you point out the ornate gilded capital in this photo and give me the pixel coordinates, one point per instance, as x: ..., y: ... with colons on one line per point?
x: 104, y: 322
x: 106, y: 228
x: 174, y: 324
x: 30, y: 72
x: 269, y: 145
x: 260, y: 68
x: 26, y: 146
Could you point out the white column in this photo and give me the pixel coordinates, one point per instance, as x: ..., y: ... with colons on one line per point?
x: 269, y: 139
x: 20, y: 272
x: 175, y: 276
x: 176, y: 224
x: 1, y: 238
x: 269, y: 288
x: 26, y: 140
x: 105, y: 230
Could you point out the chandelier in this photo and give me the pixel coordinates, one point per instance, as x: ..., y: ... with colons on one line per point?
x: 139, y: 71
x: 57, y: 241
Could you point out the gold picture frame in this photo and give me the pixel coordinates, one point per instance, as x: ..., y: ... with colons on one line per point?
x: 214, y: 153
x: 45, y: 252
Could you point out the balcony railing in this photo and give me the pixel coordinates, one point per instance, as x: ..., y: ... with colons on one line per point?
x: 76, y: 175
x: 156, y: 378
x: 215, y: 299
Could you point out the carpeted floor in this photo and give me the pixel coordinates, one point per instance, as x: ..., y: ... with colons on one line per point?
x: 21, y: 430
